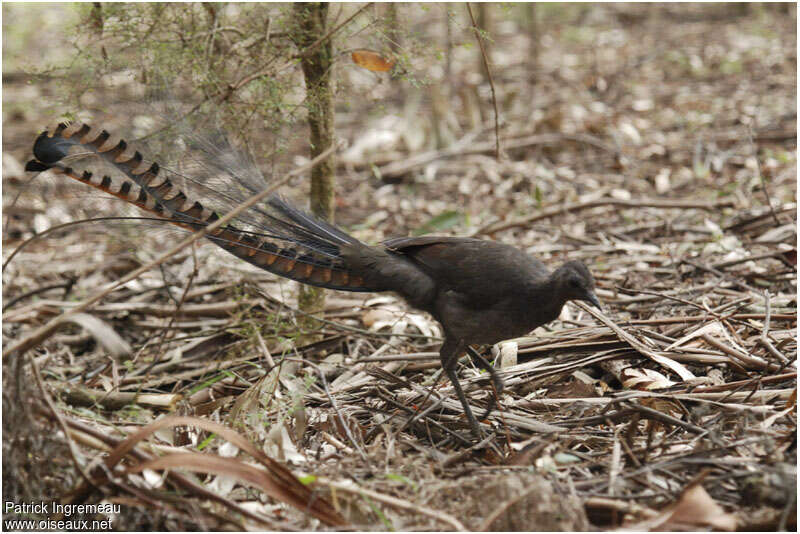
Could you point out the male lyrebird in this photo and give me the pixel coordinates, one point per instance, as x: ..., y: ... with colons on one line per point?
x: 481, y: 292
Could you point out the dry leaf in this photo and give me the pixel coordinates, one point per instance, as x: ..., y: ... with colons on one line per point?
x: 372, y: 60
x: 694, y: 509
x: 644, y: 379
x: 376, y: 319
x: 103, y: 333
x: 714, y: 329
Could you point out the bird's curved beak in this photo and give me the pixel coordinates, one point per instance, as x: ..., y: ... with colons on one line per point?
x: 593, y: 300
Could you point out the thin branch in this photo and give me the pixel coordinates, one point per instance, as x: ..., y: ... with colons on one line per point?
x: 402, y: 504
x: 73, y: 452
x: 633, y: 203
x: 764, y: 338
x: 761, y: 177
x: 491, y: 83
x: 345, y: 426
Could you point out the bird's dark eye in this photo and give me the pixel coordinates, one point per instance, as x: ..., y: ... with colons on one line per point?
x: 574, y: 282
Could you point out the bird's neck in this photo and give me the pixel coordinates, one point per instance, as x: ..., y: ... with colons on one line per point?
x: 547, y: 299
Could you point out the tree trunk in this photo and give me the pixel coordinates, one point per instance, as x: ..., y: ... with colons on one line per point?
x: 316, y: 60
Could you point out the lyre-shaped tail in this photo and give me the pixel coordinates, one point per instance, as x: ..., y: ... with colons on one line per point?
x: 287, y: 241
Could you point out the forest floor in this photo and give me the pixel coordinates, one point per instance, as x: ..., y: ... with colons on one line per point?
x: 662, y: 153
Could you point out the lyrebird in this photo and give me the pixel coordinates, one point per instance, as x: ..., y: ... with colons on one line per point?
x: 481, y: 292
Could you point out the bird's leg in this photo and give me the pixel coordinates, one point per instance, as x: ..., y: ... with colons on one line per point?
x: 496, y: 379
x: 449, y: 354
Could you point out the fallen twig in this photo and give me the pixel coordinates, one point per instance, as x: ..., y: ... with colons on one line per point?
x: 606, y: 201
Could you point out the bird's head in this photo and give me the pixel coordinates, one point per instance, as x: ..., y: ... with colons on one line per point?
x: 575, y: 282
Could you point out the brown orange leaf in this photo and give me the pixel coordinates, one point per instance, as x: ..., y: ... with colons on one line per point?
x: 693, y: 510
x: 372, y: 60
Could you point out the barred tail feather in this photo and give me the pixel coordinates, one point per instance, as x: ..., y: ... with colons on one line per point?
x: 290, y: 243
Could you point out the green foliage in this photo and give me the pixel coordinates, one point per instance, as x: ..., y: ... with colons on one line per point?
x: 209, y: 382
x: 217, y: 52
x: 444, y: 221
x: 385, y: 520
x: 206, y: 442
x: 538, y: 196
x: 404, y: 480
x: 731, y: 66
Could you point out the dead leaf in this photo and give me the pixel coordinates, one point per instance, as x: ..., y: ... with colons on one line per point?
x: 574, y: 389
x: 694, y: 509
x: 376, y: 319
x: 272, y: 477
x: 644, y: 379
x: 103, y: 334
x: 372, y: 60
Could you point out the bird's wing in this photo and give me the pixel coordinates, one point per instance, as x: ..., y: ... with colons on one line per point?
x: 483, y: 272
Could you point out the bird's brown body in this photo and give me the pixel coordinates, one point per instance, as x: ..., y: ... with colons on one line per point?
x: 481, y: 292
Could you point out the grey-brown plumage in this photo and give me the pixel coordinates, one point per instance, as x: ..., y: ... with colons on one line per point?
x: 481, y: 292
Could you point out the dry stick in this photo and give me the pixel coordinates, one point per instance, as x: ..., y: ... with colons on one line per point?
x: 388, y: 399
x: 757, y: 214
x: 722, y: 275
x: 723, y: 264
x: 670, y: 297
x: 701, y: 318
x: 166, y: 330
x: 635, y: 203
x: 66, y: 286
x: 465, y: 147
x: 742, y: 383
x: 764, y: 338
x: 70, y: 443
x: 38, y: 335
x: 761, y: 176
x: 655, y: 415
x: 411, y: 356
x: 77, y: 395
x: 345, y: 426
x: 633, y: 342
x: 392, y: 501
x: 491, y: 84
x: 742, y: 357
x: 67, y: 225
x: 619, y: 506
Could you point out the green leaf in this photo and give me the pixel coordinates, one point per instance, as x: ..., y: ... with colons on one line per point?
x: 209, y: 382
x: 404, y: 480
x: 203, y: 444
x: 537, y: 194
x: 308, y: 479
x: 377, y: 511
x: 443, y: 221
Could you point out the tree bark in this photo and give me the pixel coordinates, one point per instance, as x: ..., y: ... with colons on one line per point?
x: 316, y: 60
